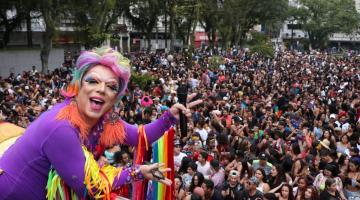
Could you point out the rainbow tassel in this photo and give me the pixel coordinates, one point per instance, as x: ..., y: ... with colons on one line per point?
x: 98, y: 181
x: 163, y: 152
x: 142, y: 154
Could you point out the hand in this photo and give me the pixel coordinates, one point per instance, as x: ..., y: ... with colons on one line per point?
x: 146, y: 170
x: 176, y: 108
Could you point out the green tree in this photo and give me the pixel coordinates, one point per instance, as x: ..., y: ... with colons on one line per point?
x: 261, y: 44
x: 144, y: 15
x: 321, y: 18
x: 260, y: 12
x: 238, y: 17
x: 94, y: 19
x: 186, y: 14
x: 169, y: 19
x: 209, y: 17
x: 52, y: 12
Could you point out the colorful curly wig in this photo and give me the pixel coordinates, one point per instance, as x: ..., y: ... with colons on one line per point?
x: 104, y: 56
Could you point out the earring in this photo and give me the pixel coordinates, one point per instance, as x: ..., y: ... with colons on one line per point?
x: 113, y: 132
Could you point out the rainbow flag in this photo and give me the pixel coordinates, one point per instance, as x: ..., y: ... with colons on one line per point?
x: 163, y: 152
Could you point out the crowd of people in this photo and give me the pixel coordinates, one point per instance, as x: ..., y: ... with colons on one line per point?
x: 269, y: 128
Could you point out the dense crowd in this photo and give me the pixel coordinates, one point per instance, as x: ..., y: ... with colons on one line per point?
x: 281, y: 128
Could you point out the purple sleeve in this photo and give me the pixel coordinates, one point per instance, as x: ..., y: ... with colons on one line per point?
x: 128, y: 175
x: 154, y: 130
x: 63, y: 149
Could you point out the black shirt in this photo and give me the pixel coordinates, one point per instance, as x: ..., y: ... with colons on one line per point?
x: 216, y: 196
x: 326, y: 195
x: 232, y: 191
x: 244, y: 195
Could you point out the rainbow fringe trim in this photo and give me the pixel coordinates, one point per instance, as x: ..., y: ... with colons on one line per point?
x: 96, y: 179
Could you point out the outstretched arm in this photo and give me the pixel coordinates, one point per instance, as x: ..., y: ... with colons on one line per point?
x: 153, y: 130
x: 64, y: 151
x: 157, y: 128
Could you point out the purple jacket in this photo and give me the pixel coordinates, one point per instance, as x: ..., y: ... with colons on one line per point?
x: 50, y: 142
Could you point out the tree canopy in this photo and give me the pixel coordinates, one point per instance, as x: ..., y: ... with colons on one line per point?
x: 321, y: 18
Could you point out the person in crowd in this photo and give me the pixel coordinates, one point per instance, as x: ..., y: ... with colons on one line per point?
x: 300, y: 189
x: 285, y: 193
x: 232, y: 186
x: 218, y: 174
x: 277, y: 176
x: 330, y: 191
x: 329, y: 173
x: 188, y: 176
x: 352, y: 180
x: 263, y: 186
x: 196, y: 181
x: 211, y: 193
x: 250, y: 191
x: 203, y: 166
x: 311, y: 194
x: 178, y: 155
x: 179, y: 188
x: 262, y: 163
x: 343, y: 162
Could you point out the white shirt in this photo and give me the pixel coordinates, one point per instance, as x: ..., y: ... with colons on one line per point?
x: 178, y: 159
x: 194, y: 83
x: 204, y: 169
x: 203, y: 134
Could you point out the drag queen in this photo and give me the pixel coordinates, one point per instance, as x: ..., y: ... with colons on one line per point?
x: 55, y: 156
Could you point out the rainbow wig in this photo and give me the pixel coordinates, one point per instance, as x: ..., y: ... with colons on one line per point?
x: 104, y: 56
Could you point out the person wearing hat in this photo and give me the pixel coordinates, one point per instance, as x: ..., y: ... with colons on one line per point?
x: 325, y: 143
x: 250, y: 192
x: 262, y: 163
x: 231, y: 185
x: 337, y: 131
x: 178, y: 155
x: 331, y: 122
